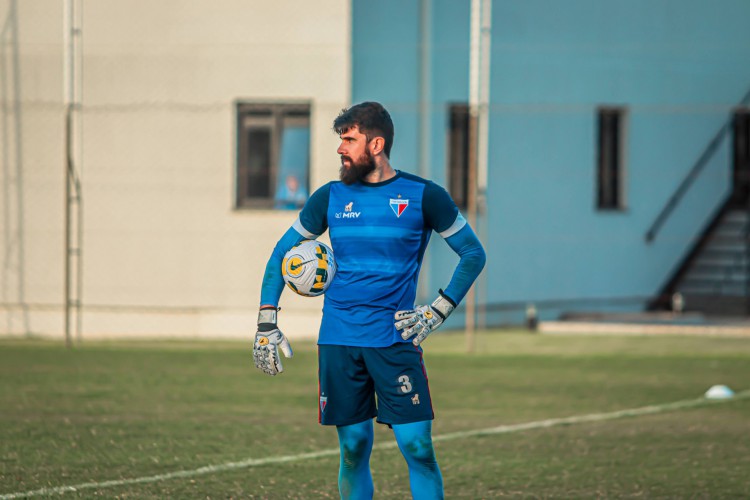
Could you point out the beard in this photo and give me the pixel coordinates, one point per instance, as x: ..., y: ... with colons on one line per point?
x: 357, y: 170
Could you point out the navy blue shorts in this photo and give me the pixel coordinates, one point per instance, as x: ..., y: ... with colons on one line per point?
x: 351, y: 377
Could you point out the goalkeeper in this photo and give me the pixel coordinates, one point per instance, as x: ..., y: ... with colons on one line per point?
x: 380, y: 221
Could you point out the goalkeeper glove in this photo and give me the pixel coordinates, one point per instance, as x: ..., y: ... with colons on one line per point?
x: 268, y: 341
x: 423, y: 320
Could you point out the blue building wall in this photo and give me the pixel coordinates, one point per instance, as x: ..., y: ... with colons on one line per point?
x: 678, y: 66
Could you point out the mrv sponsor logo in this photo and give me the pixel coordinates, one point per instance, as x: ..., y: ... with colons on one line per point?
x: 348, y: 212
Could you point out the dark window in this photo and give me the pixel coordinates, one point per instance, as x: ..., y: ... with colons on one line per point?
x: 458, y: 154
x: 273, y: 155
x: 610, y: 164
x: 741, y: 148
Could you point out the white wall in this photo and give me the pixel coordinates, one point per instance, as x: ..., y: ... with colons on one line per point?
x: 164, y: 252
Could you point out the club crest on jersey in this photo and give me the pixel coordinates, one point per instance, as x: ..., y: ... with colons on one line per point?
x: 398, y: 206
x: 323, y: 403
x: 348, y: 212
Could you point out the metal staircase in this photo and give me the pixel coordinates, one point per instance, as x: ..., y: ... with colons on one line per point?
x: 716, y: 279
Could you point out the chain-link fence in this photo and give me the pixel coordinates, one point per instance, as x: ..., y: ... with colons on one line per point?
x: 199, y: 129
x: 164, y: 244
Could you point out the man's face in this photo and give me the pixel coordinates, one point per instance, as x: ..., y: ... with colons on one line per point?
x: 356, y: 160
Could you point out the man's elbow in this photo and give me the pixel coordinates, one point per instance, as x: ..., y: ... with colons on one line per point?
x: 481, y: 258
x: 477, y: 258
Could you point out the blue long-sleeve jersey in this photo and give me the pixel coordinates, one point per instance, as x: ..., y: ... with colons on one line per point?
x: 379, y: 233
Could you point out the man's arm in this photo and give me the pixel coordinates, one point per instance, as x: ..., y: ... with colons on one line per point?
x: 268, y: 337
x: 423, y: 320
x: 442, y: 215
x: 273, y: 282
x: 472, y: 259
x: 311, y: 223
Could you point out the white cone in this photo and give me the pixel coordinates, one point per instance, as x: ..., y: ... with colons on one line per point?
x: 719, y: 392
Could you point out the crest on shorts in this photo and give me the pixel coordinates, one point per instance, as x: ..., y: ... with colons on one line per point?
x: 323, y: 403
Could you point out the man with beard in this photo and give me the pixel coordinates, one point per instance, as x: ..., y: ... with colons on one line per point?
x: 379, y: 221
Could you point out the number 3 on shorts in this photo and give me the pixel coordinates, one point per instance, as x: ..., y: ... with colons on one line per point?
x: 405, y: 384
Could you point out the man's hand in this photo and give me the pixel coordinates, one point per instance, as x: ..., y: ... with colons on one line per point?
x: 423, y: 320
x: 268, y: 341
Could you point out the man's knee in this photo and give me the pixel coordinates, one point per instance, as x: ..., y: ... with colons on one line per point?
x: 355, y: 446
x: 419, y: 450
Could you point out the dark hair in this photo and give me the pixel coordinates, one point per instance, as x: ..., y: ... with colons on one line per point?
x: 372, y: 120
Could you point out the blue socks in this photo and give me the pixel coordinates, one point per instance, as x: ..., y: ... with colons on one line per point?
x: 355, y: 443
x: 415, y: 442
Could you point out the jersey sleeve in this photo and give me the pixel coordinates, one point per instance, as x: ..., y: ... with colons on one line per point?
x: 442, y: 215
x: 472, y: 259
x: 311, y: 223
x: 440, y: 212
x: 313, y: 219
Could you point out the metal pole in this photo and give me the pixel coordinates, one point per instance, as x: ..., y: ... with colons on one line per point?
x: 66, y: 180
x: 425, y: 117
x: 68, y: 98
x: 479, y: 61
x: 79, y: 262
x: 72, y: 99
x: 483, y: 97
x: 471, y: 201
x: 77, y: 174
x: 425, y: 88
x: 483, y: 131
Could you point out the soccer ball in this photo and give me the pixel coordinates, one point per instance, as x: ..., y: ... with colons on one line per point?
x: 309, y: 268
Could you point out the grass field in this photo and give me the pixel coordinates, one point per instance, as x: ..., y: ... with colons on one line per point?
x: 126, y: 410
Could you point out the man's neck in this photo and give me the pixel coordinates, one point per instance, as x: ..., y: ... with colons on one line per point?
x: 383, y: 171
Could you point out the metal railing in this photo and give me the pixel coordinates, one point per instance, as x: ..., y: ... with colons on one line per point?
x: 689, y: 179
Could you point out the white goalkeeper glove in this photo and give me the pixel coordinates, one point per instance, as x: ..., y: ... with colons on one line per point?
x: 423, y: 320
x: 268, y: 341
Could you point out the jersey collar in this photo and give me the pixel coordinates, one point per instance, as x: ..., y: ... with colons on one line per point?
x: 383, y: 183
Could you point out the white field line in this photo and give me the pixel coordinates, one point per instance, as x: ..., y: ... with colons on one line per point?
x: 625, y: 328
x: 503, y: 429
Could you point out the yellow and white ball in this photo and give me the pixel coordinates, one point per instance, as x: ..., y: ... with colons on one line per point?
x: 309, y: 268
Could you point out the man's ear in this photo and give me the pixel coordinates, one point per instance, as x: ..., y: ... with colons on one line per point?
x: 376, y: 145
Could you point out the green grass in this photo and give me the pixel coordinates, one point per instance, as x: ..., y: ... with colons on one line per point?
x: 117, y: 410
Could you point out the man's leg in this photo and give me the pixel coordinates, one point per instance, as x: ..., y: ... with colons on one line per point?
x: 415, y: 442
x: 355, y: 442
